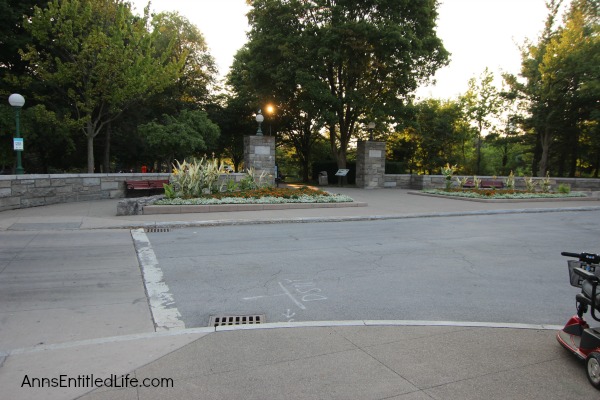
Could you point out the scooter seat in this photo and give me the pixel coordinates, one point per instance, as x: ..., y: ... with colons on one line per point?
x: 586, y: 289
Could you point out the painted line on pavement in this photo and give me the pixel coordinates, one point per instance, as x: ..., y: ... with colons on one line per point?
x: 165, y: 314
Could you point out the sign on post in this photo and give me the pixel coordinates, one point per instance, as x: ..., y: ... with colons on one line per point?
x: 18, y: 144
x: 341, y: 174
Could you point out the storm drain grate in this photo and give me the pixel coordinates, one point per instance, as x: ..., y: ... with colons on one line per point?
x: 223, y: 320
x: 157, y: 230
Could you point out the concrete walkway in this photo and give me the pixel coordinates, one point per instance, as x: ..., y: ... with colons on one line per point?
x: 73, y: 304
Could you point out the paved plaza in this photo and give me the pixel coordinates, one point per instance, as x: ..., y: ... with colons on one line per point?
x: 82, y: 299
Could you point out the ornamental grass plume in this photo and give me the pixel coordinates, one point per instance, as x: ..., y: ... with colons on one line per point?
x: 448, y: 171
x: 509, y: 182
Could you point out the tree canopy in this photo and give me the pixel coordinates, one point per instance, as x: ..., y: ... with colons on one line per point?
x: 348, y: 61
x: 100, y: 57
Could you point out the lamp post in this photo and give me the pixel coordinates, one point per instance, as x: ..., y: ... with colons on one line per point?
x: 270, y: 110
x: 17, y: 101
x: 371, y: 127
x: 259, y: 118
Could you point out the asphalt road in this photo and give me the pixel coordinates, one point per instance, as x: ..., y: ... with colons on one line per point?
x: 492, y: 268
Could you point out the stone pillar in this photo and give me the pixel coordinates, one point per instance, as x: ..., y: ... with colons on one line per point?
x: 370, y: 165
x: 259, y: 153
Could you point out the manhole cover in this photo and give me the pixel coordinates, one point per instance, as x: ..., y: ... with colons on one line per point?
x: 157, y: 230
x: 222, y: 320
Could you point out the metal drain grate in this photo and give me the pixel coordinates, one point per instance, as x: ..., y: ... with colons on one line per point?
x: 223, y: 320
x: 157, y: 230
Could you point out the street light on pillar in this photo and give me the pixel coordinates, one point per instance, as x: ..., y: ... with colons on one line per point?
x: 371, y: 127
x: 270, y: 109
x: 17, y: 101
x: 259, y: 118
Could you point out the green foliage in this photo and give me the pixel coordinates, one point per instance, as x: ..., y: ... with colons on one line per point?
x: 438, y: 135
x: 561, y: 91
x: 481, y: 103
x: 461, y: 182
x: 169, y: 191
x: 196, y: 177
x: 530, y: 184
x: 447, y: 172
x: 99, y: 56
x: 564, y: 188
x: 509, y: 182
x: 392, y: 167
x: 371, y: 55
x: 181, y: 136
x: 252, y: 180
x: 545, y: 184
x: 231, y: 186
x: 183, y: 41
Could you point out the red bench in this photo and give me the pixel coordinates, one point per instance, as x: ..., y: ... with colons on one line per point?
x: 151, y: 184
x: 485, y: 184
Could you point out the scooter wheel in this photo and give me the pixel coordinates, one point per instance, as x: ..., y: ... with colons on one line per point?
x: 593, y: 369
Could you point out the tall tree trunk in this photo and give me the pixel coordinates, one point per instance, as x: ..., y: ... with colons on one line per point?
x: 574, y: 153
x: 107, y: 149
x: 545, y: 141
x: 505, y: 159
x: 89, y: 133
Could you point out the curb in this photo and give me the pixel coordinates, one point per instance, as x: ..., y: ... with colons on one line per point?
x: 277, y: 325
x: 305, y: 220
x: 482, y: 200
x: 187, y: 209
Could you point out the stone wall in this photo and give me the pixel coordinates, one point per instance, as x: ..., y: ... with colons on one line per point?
x: 22, y: 191
x: 419, y: 182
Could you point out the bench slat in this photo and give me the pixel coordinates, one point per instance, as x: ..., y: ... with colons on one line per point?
x: 146, y: 184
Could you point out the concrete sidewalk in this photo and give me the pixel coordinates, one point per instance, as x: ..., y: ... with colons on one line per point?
x: 384, y: 203
x: 73, y: 303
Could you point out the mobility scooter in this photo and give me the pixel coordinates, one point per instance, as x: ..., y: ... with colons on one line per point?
x: 577, y: 336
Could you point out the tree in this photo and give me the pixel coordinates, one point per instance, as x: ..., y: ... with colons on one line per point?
x: 185, y: 42
x: 481, y: 103
x: 13, y: 35
x: 570, y: 77
x: 435, y: 137
x: 180, y: 137
x: 562, y: 89
x: 100, y: 57
x: 353, y: 60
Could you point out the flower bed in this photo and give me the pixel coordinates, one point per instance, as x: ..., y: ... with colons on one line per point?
x: 500, y: 194
x: 261, y: 196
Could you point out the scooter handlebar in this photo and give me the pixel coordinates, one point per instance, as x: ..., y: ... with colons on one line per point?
x: 589, y: 258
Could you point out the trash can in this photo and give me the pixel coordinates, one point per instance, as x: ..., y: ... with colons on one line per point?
x: 323, y: 180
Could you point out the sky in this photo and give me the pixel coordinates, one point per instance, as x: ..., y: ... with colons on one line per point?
x: 477, y: 33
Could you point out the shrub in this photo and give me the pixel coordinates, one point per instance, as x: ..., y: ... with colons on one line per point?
x: 564, y: 188
x: 530, y: 184
x: 545, y: 183
x: 193, y: 178
x: 509, y: 182
x: 448, y: 171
